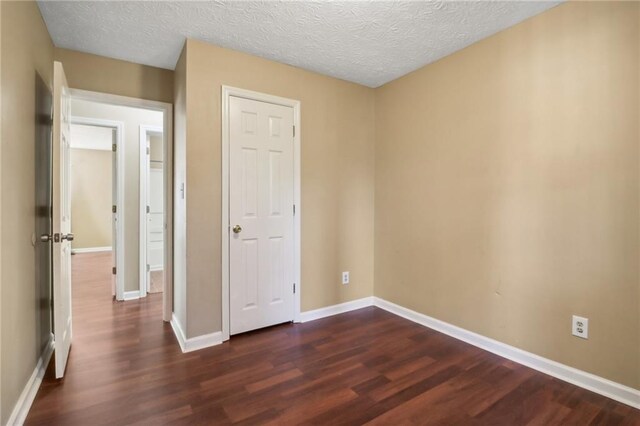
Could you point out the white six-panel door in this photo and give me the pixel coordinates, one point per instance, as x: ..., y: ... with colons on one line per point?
x: 261, y: 185
x: 155, y: 219
x: 61, y: 220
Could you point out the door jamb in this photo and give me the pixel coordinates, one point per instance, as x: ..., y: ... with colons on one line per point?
x: 227, y: 92
x: 167, y: 134
x: 118, y: 126
x: 144, y: 184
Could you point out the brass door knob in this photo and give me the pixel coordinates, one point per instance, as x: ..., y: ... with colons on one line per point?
x: 237, y: 229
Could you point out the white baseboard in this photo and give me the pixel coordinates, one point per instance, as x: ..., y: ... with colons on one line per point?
x: 336, y: 309
x: 21, y: 409
x: 580, y: 378
x: 177, y: 330
x: 90, y: 249
x: 131, y: 295
x: 194, y: 343
x: 597, y: 384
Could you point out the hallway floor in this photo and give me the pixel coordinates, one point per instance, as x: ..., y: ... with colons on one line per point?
x: 126, y: 367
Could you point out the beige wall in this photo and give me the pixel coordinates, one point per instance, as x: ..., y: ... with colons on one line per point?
x: 337, y: 178
x: 91, y: 200
x: 507, y: 190
x: 132, y: 119
x: 106, y: 75
x: 26, y: 49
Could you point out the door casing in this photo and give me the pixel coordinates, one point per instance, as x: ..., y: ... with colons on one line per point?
x: 227, y: 92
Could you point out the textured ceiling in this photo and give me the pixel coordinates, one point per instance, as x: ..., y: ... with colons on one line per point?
x: 367, y: 42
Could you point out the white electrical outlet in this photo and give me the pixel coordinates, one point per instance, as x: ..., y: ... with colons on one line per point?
x: 345, y: 277
x: 580, y: 327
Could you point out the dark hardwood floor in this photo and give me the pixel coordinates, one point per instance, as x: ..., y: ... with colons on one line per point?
x: 367, y: 366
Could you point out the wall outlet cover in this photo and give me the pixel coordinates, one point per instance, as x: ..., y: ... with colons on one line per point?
x: 580, y: 327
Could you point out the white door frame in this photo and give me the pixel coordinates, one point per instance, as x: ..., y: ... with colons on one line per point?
x: 144, y: 184
x: 118, y: 127
x: 227, y: 92
x: 167, y: 141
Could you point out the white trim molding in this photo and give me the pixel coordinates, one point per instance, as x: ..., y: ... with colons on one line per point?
x: 131, y: 295
x: 227, y: 93
x: 597, y: 384
x: 23, y: 405
x: 90, y: 249
x: 194, y: 343
x: 336, y: 309
x: 580, y: 378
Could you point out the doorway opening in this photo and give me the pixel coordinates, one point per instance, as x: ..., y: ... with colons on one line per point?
x: 96, y: 173
x: 119, y: 161
x: 152, y: 170
x: 106, y: 118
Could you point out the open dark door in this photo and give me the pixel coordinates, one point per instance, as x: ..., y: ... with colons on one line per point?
x: 43, y: 150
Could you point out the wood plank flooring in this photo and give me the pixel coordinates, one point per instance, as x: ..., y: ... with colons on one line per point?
x: 366, y: 366
x: 156, y: 284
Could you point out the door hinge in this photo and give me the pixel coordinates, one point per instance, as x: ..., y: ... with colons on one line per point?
x: 148, y: 267
x: 294, y: 131
x: 114, y: 209
x: 294, y: 209
x: 113, y: 270
x: 114, y: 147
x: 294, y: 288
x: 148, y: 151
x: 148, y: 209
